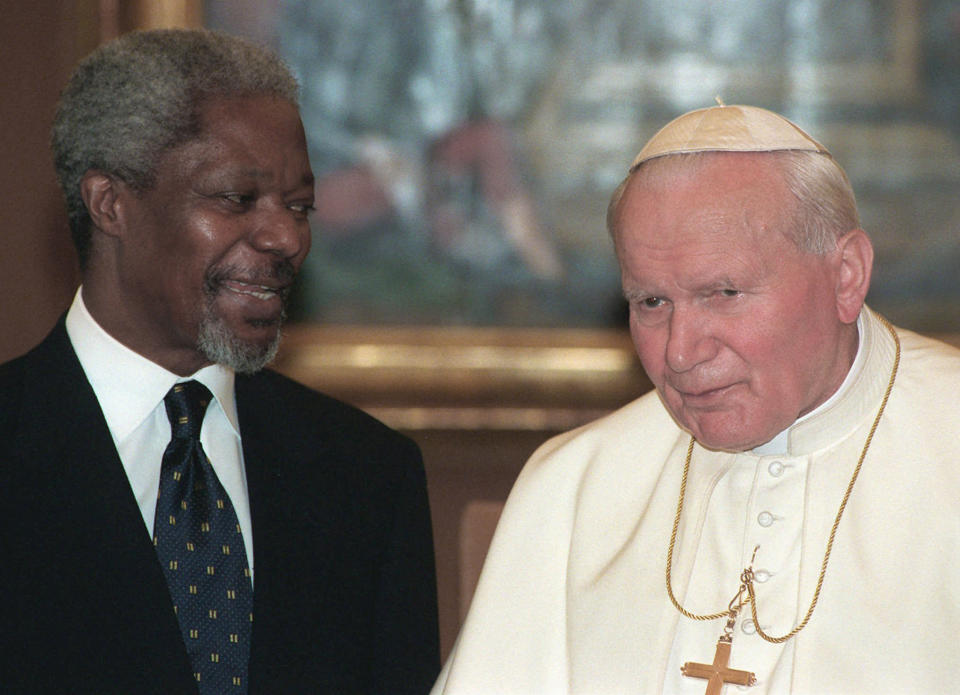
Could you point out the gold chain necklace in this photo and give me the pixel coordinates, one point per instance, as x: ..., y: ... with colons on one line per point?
x: 747, y: 576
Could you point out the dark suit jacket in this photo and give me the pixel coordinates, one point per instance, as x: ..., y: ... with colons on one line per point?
x: 345, y: 592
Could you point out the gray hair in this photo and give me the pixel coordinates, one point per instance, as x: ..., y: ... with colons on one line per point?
x: 136, y: 97
x: 826, y: 208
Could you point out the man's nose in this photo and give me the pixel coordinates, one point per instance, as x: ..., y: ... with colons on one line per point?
x: 281, y: 231
x: 690, y: 341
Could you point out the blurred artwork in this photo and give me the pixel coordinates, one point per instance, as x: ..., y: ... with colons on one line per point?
x: 465, y: 149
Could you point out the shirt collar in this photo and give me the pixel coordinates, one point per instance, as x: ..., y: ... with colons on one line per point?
x: 856, y: 400
x: 780, y: 444
x: 127, y: 384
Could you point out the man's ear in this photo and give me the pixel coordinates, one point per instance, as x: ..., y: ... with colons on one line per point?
x: 856, y: 266
x: 103, y: 195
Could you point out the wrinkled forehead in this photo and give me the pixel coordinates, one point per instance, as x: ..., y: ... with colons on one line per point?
x: 254, y: 137
x: 704, y: 195
x: 264, y: 111
x: 669, y: 168
x: 751, y: 176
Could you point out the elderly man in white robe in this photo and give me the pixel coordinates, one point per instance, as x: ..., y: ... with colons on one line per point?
x: 782, y: 514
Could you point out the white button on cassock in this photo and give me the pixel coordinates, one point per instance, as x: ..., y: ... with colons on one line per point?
x: 765, y: 519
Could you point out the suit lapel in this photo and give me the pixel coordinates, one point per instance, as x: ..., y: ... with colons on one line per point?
x: 263, y: 455
x: 93, y: 513
x: 291, y: 495
x: 323, y: 524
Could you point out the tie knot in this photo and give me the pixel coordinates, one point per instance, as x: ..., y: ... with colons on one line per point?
x: 186, y: 404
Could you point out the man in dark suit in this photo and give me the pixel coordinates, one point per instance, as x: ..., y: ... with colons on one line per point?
x: 145, y: 414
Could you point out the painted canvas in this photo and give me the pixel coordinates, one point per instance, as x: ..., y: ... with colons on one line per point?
x: 466, y: 149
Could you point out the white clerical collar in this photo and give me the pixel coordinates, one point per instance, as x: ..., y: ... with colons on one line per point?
x: 779, y: 445
x: 127, y: 384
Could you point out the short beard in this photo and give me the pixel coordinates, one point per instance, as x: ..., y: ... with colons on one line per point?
x: 220, y: 345
x: 217, y: 343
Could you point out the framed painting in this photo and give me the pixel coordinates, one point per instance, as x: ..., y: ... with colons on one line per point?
x: 465, y: 151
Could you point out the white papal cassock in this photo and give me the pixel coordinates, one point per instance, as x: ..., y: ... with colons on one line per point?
x: 572, y: 597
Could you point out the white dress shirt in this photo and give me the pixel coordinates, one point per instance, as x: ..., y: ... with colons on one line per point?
x: 130, y: 389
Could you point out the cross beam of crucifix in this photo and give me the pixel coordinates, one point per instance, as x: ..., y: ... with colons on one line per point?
x: 717, y: 673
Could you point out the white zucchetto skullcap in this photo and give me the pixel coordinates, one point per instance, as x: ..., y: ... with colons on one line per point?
x: 727, y: 129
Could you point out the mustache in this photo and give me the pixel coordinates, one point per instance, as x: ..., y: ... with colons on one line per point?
x: 279, y: 274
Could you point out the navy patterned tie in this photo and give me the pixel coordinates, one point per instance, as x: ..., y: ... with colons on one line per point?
x: 201, y: 549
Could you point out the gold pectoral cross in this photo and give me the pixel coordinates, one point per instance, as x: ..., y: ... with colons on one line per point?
x: 718, y: 673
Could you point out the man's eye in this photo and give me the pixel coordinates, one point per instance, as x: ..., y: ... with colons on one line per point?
x: 730, y: 293
x: 238, y: 198
x: 301, y: 208
x: 652, y: 303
